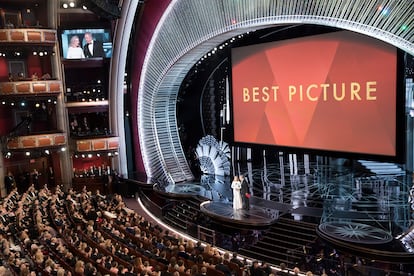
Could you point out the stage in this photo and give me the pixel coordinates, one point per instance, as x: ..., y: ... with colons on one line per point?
x: 333, y: 200
x: 216, y: 202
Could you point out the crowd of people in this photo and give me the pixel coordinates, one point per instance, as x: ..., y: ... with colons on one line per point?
x: 79, y: 233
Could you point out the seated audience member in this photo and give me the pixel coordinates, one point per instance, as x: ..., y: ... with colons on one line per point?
x: 203, y: 270
x: 223, y: 267
x: 79, y: 267
x: 255, y: 269
x: 283, y: 270
x: 266, y: 268
x: 182, y: 253
x: 236, y: 260
x: 181, y: 267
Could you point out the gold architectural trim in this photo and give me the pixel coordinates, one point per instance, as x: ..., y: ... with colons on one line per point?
x: 30, y: 87
x: 28, y: 36
x: 98, y: 144
x: 37, y: 141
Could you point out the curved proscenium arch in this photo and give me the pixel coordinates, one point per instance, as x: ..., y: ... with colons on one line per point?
x: 191, y: 28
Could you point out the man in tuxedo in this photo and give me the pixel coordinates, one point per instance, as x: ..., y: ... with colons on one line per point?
x: 92, y: 48
x: 245, y: 192
x: 223, y: 267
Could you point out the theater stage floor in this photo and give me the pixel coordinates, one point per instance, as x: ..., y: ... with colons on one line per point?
x: 368, y: 205
x: 219, y: 206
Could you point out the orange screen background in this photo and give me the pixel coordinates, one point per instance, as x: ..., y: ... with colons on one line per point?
x: 363, y: 122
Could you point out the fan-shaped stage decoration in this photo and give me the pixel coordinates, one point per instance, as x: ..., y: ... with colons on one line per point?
x: 411, y: 199
x: 213, y: 156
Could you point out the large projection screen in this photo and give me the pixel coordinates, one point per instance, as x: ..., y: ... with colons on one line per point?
x: 332, y: 92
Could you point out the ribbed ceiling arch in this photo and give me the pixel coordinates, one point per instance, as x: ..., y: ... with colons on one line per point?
x: 191, y: 28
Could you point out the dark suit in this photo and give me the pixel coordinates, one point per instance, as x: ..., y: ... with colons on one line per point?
x: 224, y: 268
x: 98, y: 50
x: 245, y: 194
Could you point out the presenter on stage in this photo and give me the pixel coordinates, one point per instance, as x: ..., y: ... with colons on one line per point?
x: 74, y: 49
x: 92, y: 47
x: 245, y: 192
x: 237, y: 198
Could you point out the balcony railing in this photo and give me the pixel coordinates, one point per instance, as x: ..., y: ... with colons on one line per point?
x: 44, y: 36
x: 98, y: 144
x: 37, y: 141
x: 16, y: 88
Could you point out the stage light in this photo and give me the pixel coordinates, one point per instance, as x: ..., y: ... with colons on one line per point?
x: 84, y: 7
x: 27, y: 153
x: 34, y: 53
x: 3, y: 102
x: 83, y: 155
x: 98, y: 155
x: 63, y: 149
x: 72, y: 4
x: 89, y: 155
x: 47, y: 151
x: 23, y: 104
x: 65, y: 5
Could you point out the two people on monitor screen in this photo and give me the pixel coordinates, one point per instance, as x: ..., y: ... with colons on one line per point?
x: 92, y: 48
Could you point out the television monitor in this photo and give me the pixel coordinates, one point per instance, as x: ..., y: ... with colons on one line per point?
x: 334, y: 92
x: 100, y: 35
